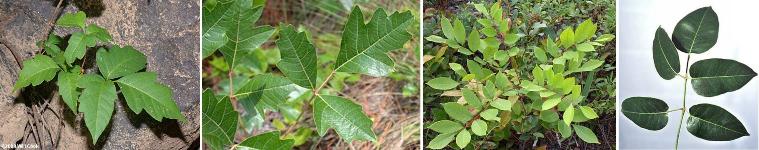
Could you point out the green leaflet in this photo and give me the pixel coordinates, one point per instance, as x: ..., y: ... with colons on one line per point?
x: 67, y: 87
x: 96, y: 103
x: 219, y: 121
x: 77, y: 46
x: 471, y: 98
x: 72, y: 20
x: 711, y: 122
x: 585, y: 31
x: 697, y: 32
x: 501, y: 104
x: 463, y: 138
x: 666, y: 60
x: 442, y: 83
x: 266, y: 141
x: 564, y: 130
x: 585, y: 134
x: 447, y: 28
x: 51, y: 44
x: 569, y: 114
x: 364, y: 47
x: 549, y: 116
x: 98, y: 33
x: 457, y: 111
x: 343, y: 115
x: 214, y: 31
x: 712, y: 77
x: 441, y: 140
x: 36, y: 70
x: 648, y: 113
x: 459, y: 32
x: 118, y: 61
x: 142, y: 91
x: 490, y: 114
x: 479, y: 127
x: 445, y: 126
x: 567, y: 37
x: 265, y: 91
x: 242, y: 36
x: 298, y: 61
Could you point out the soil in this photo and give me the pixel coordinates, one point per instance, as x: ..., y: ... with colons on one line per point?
x: 166, y: 31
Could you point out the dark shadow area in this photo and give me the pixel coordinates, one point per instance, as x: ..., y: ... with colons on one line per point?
x: 93, y: 8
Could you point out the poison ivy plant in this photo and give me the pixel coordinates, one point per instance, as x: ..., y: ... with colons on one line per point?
x: 363, y: 50
x: 94, y: 93
x: 497, y: 98
x: 694, y: 34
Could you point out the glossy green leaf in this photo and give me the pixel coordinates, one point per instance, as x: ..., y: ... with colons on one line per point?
x: 666, y: 60
x: 479, y: 127
x: 585, y: 31
x: 550, y: 103
x: 442, y: 83
x: 445, y: 126
x: 242, y: 36
x: 214, y: 31
x: 96, y: 103
x: 72, y: 19
x: 445, y: 25
x: 697, y: 32
x: 471, y: 98
x: 441, y: 140
x: 98, y: 33
x: 567, y: 37
x: 143, y: 92
x: 568, y: 115
x: 364, y: 47
x: 346, y: 117
x: 648, y: 113
x: 585, y: 134
x: 36, y: 70
x: 457, y: 111
x: 67, y: 87
x: 119, y: 61
x: 463, y: 138
x: 585, y: 47
x: 501, y: 104
x: 459, y: 33
x: 711, y: 122
x: 588, y: 112
x: 298, y: 61
x: 78, y: 42
x: 219, y: 121
x: 490, y: 114
x: 715, y: 76
x: 549, y: 116
x: 267, y: 141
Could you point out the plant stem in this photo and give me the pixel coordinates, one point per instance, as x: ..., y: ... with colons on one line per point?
x: 685, y: 90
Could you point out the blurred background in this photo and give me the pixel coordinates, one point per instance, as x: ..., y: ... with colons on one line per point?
x: 638, y: 21
x: 391, y: 102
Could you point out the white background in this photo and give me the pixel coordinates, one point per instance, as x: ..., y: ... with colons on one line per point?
x: 738, y: 40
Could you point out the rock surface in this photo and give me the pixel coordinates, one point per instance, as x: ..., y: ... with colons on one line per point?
x: 166, y: 31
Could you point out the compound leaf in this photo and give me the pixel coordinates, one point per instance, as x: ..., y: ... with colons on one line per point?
x: 648, y: 113
x: 119, y: 61
x: 298, y: 61
x: 711, y: 122
x: 142, y: 91
x: 268, y: 141
x: 72, y: 20
x: 343, y: 115
x: 364, y: 47
x: 36, y: 70
x: 712, y: 77
x: 585, y: 134
x: 96, y: 103
x: 219, y: 120
x: 697, y: 32
x: 666, y: 60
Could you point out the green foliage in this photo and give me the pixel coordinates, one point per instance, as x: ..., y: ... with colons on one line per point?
x: 509, y: 84
x: 694, y: 34
x: 98, y: 91
x: 363, y: 50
